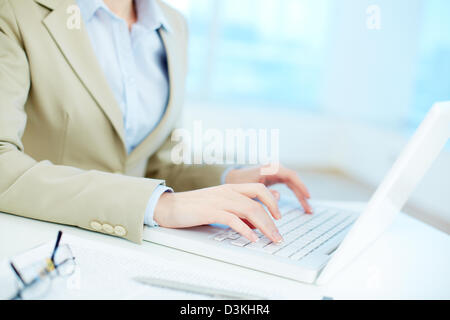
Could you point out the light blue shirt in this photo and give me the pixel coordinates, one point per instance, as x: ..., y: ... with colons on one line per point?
x: 135, y: 65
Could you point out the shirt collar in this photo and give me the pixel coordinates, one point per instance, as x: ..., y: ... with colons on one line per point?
x: 88, y: 8
x: 150, y: 14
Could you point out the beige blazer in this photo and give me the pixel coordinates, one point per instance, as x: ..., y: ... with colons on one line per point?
x: 62, y: 152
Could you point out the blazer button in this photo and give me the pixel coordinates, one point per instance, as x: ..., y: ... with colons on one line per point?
x: 97, y: 226
x: 120, y: 231
x: 107, y: 228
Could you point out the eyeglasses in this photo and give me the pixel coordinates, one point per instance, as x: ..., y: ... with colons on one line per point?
x: 34, y: 280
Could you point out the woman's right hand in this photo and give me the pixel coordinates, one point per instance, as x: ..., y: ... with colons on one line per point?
x: 230, y: 204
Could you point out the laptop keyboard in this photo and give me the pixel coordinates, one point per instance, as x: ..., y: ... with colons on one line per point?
x: 302, y: 233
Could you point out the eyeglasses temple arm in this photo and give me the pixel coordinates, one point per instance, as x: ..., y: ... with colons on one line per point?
x: 58, y: 239
x: 17, y: 272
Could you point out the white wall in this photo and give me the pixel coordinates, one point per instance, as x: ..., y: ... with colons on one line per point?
x: 369, y: 72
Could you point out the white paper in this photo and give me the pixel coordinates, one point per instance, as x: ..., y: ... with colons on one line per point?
x: 106, y: 272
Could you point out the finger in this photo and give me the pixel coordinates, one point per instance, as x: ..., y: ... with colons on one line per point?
x: 298, y: 183
x: 304, y: 202
x: 254, y: 212
x: 249, y: 224
x: 287, y: 175
x: 236, y: 224
x: 262, y: 193
x: 276, y: 194
x: 294, y: 183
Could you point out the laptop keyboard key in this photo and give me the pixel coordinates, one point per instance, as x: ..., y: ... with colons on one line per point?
x: 272, y: 248
x: 221, y: 236
x: 234, y: 236
x: 300, y: 255
x: 303, y: 234
x: 241, y: 242
x: 263, y: 242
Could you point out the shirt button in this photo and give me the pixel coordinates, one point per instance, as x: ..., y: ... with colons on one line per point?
x: 120, y: 231
x: 107, y: 228
x: 97, y: 226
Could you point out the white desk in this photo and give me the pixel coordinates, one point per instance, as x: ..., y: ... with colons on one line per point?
x: 410, y: 261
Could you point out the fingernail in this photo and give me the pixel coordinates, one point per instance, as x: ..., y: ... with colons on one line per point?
x: 254, y: 238
x: 277, y: 237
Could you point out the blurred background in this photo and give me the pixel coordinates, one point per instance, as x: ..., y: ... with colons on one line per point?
x: 346, y: 81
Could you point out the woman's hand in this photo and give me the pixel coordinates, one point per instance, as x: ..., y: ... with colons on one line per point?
x: 283, y: 175
x: 233, y: 204
x: 230, y: 204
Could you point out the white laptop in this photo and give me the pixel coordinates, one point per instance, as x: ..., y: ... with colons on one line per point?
x: 317, y: 246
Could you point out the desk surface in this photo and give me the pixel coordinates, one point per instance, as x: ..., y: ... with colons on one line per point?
x: 410, y: 261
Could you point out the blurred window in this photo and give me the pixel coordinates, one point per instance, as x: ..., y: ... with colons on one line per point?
x: 256, y: 51
x: 272, y: 52
x: 433, y: 69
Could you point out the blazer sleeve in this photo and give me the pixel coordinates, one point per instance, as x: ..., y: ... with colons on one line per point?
x: 98, y: 201
x: 182, y: 177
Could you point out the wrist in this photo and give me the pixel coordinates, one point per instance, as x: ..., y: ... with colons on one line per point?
x: 163, y: 208
x: 232, y: 177
x: 243, y: 175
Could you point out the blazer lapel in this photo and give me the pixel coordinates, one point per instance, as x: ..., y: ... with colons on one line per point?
x: 77, y: 49
x: 176, y: 70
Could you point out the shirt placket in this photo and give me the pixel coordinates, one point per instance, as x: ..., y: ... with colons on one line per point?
x: 127, y: 67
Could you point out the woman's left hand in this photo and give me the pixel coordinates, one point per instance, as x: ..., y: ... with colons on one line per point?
x: 282, y: 175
